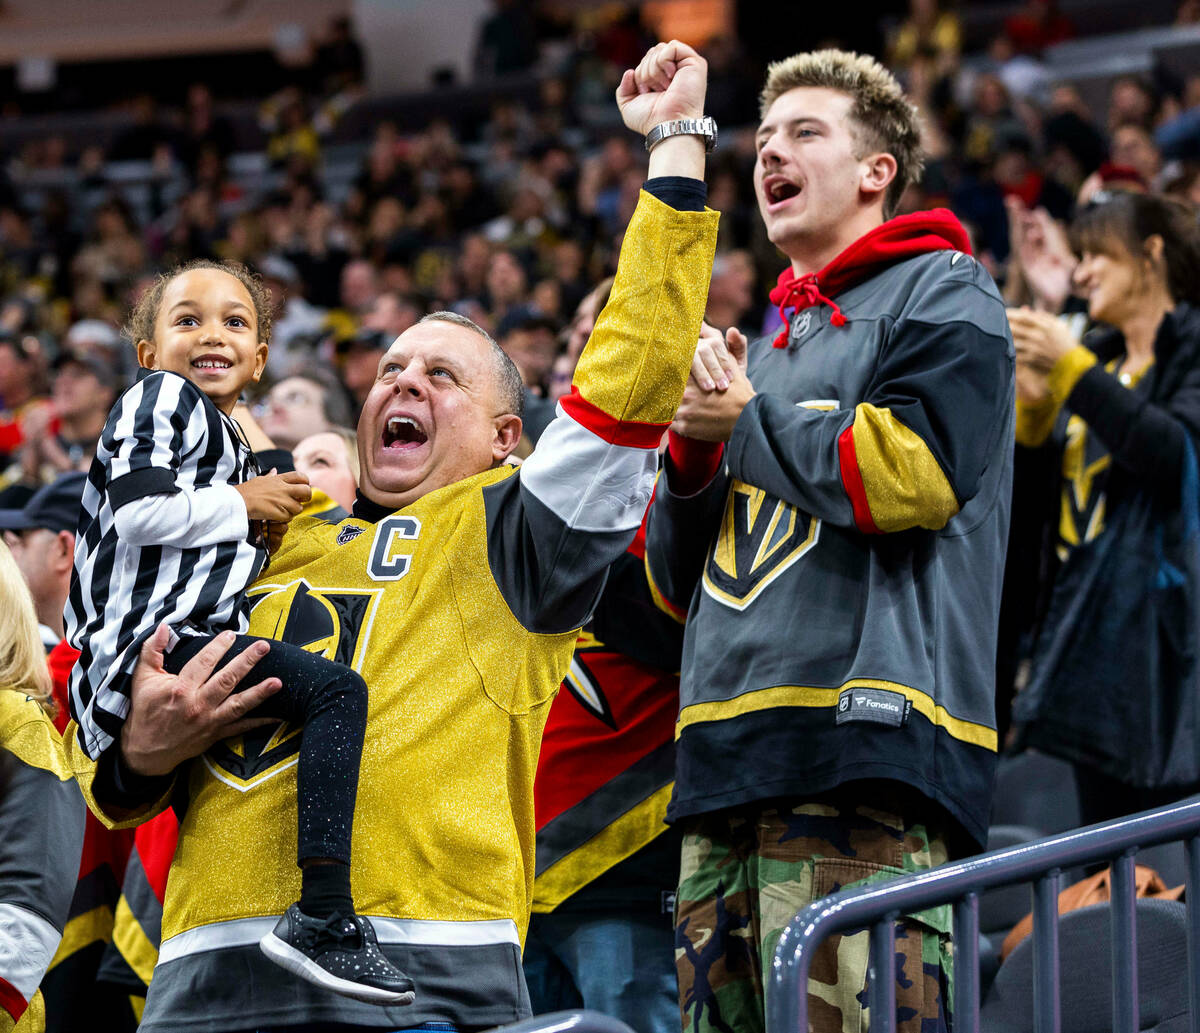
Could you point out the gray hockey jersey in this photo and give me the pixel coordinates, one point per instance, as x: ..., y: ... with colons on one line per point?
x: 841, y: 575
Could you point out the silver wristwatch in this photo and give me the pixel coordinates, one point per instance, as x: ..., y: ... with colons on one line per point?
x: 706, y: 127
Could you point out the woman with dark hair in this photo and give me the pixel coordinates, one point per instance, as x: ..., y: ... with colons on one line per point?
x: 1120, y: 416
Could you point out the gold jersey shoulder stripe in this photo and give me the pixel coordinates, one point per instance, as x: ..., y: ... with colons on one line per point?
x: 812, y: 696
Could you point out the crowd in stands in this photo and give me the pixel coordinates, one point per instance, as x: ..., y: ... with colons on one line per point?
x: 516, y: 220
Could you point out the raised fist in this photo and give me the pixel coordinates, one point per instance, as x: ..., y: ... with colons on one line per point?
x: 668, y: 83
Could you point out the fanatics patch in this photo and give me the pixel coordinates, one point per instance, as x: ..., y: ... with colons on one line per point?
x: 879, y: 706
x: 348, y: 534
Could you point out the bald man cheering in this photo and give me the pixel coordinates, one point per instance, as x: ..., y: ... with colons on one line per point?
x: 456, y: 588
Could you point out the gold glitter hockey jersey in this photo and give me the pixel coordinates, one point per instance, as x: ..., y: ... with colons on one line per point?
x: 461, y: 612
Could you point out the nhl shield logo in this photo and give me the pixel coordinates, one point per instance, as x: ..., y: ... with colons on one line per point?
x: 801, y: 325
x: 348, y: 534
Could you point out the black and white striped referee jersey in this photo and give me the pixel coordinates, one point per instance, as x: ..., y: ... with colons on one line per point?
x: 163, y: 536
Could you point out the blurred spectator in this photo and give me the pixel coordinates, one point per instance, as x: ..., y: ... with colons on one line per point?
x: 359, y: 357
x: 582, y: 325
x: 62, y: 436
x: 339, y: 65
x: 329, y: 459
x: 391, y: 314
x: 1183, y: 182
x: 1041, y: 261
x: 1133, y: 146
x: 148, y: 132
x: 20, y: 374
x: 1074, y: 147
x: 114, y: 252
x: 295, y: 324
x: 203, y: 129
x: 1038, y: 25
x: 1117, y: 412
x: 293, y: 140
x: 1131, y: 99
x: 506, y: 40
x: 359, y: 286
x: 928, y: 26
x: 731, y: 292
x: 530, y: 339
x: 304, y: 404
x: 505, y: 285
x: 41, y: 538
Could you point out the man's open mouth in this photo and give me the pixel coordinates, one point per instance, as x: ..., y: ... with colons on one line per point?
x: 403, y: 432
x: 780, y: 190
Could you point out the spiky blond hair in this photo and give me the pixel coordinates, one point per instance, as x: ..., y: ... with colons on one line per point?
x: 882, y: 117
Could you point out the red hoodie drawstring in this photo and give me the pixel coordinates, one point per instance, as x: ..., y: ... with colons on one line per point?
x: 800, y: 294
x: 895, y: 240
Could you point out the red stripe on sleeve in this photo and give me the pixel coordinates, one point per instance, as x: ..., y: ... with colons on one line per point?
x: 11, y: 1000
x: 852, y: 482
x: 696, y: 462
x: 609, y: 428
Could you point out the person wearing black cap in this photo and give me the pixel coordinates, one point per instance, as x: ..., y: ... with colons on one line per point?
x: 41, y: 537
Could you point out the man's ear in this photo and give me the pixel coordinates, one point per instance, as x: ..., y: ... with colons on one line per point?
x: 65, y: 552
x: 147, y: 354
x: 878, y: 172
x: 507, y: 436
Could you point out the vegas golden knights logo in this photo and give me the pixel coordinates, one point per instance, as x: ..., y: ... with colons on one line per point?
x: 760, y: 537
x: 333, y: 623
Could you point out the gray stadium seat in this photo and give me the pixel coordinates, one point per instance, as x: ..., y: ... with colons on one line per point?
x: 1036, y: 790
x: 1085, y: 974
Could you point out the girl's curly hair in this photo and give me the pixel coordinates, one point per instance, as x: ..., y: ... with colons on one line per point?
x: 145, y: 313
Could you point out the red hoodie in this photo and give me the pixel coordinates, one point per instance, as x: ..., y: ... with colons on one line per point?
x: 895, y: 240
x: 885, y: 245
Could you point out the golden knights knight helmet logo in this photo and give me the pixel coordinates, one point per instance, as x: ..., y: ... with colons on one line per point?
x: 760, y: 537
x: 333, y: 623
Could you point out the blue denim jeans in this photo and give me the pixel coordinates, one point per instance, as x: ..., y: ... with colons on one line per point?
x: 618, y: 960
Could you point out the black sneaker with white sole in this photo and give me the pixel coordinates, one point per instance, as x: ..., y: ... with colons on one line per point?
x: 339, y: 953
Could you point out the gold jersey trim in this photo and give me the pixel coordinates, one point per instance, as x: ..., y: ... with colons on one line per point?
x: 135, y: 946
x: 904, y: 485
x: 637, y: 827
x: 91, y: 926
x: 812, y: 696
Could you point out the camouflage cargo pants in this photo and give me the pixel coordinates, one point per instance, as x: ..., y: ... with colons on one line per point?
x: 745, y: 873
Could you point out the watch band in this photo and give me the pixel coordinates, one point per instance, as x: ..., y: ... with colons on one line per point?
x: 705, y: 127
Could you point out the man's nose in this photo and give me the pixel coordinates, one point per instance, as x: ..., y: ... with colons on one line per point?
x: 411, y: 380
x: 769, y: 153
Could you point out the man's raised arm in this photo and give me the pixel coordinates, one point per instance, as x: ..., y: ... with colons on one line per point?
x: 580, y: 497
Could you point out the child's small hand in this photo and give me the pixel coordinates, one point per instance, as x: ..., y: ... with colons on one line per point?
x: 273, y: 533
x: 275, y: 496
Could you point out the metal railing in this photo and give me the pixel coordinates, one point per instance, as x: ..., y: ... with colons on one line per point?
x: 878, y: 907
